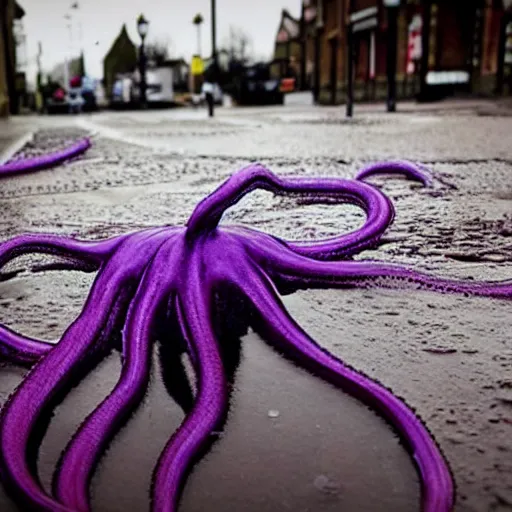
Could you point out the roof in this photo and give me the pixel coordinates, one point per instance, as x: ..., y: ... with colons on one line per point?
x: 289, y: 28
x: 123, y: 35
x: 19, y: 12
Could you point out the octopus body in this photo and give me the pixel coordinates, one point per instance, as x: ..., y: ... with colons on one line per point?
x: 178, y: 278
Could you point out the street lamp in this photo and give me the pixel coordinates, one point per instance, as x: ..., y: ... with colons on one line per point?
x: 198, y: 21
x: 392, y: 7
x: 214, y: 65
x: 350, y: 61
x: 214, y: 31
x: 142, y: 29
x: 318, y: 55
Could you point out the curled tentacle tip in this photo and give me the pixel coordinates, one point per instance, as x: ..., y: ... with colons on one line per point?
x: 426, y: 174
x: 46, y: 161
x: 414, y: 171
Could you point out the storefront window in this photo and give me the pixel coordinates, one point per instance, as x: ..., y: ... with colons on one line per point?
x: 508, y: 44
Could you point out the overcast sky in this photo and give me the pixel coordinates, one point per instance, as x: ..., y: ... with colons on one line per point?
x: 169, y: 20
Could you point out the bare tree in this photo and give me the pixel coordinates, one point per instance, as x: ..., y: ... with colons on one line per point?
x: 239, y: 45
x: 157, y: 52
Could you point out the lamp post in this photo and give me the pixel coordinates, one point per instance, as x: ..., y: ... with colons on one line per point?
x: 303, y: 29
x: 213, y: 72
x: 318, y: 53
x: 392, y: 8
x: 67, y: 77
x: 142, y: 29
x: 75, y: 8
x: 198, y: 21
x: 350, y: 62
x: 214, y: 33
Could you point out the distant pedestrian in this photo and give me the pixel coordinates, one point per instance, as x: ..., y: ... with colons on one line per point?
x: 207, y: 90
x: 75, y: 98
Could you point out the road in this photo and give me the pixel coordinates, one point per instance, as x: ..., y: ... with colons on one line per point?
x: 448, y: 357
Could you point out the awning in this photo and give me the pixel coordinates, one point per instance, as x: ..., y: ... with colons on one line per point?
x: 365, y: 19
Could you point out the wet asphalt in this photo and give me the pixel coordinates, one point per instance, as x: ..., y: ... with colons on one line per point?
x: 292, y: 442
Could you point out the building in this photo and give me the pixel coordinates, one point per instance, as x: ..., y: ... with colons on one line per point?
x: 288, y: 48
x: 468, y: 47
x: 504, y: 71
x: 10, y: 81
x: 464, y: 45
x: 308, y: 39
x: 121, y: 59
x: 180, y: 74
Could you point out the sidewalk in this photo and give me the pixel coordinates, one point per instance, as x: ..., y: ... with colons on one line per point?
x: 480, y: 106
x: 14, y: 134
x: 501, y: 106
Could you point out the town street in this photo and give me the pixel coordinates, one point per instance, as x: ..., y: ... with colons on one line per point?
x: 292, y: 442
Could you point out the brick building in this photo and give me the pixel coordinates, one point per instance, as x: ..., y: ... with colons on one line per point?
x: 464, y: 45
x: 468, y: 42
x: 504, y: 70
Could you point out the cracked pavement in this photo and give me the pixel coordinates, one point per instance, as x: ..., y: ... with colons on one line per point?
x: 449, y: 357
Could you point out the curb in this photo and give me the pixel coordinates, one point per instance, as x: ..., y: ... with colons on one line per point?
x: 14, y: 147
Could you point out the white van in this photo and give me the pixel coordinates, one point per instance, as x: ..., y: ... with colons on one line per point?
x: 159, y: 88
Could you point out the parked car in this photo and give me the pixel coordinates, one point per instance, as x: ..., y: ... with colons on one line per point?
x: 257, y: 87
x: 56, y: 101
x: 89, y: 91
x: 79, y: 96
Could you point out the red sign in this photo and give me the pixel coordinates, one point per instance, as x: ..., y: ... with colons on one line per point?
x: 414, y: 48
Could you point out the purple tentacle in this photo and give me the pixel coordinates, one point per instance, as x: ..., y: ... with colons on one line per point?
x: 379, y: 210
x: 19, y: 349
x: 304, y: 273
x: 211, y: 402
x: 410, y: 170
x: 288, y: 268
x: 90, y: 252
x: 22, y: 350
x: 86, y: 255
x: 51, y: 375
x: 45, y: 161
x: 81, y: 344
x: 70, y: 265
x: 281, y: 329
x: 72, y: 478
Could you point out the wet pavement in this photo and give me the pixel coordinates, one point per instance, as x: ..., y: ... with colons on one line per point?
x: 292, y: 442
